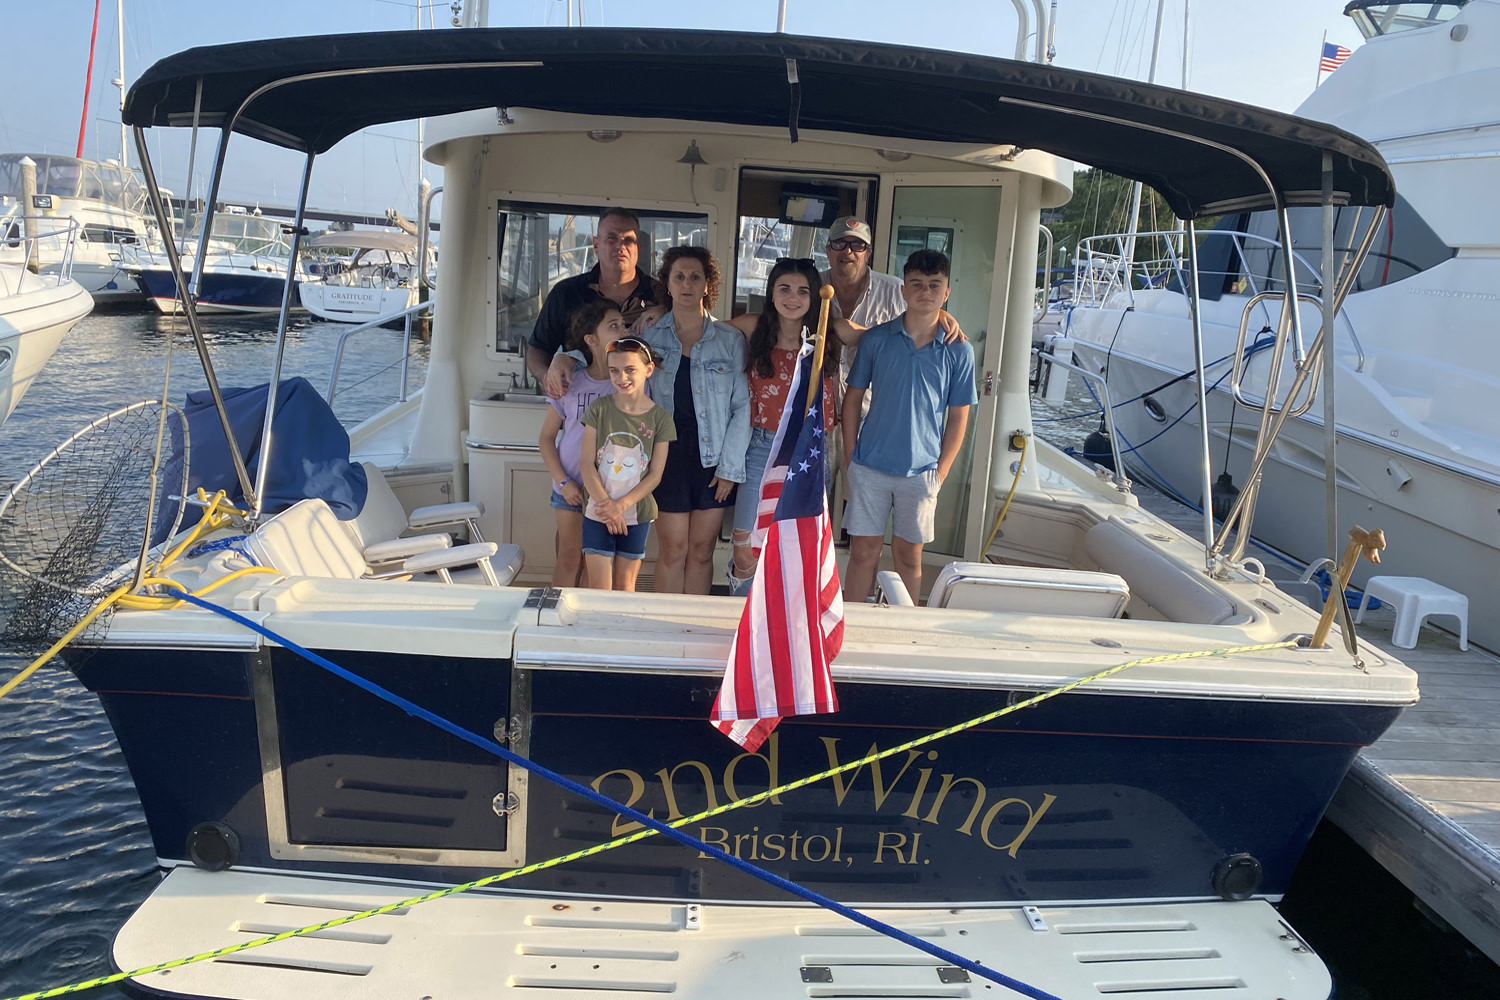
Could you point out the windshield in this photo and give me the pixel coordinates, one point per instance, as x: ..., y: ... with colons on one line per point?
x: 1388, y: 18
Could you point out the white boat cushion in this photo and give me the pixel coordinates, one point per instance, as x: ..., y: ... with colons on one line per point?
x: 1167, y: 585
x: 1029, y: 590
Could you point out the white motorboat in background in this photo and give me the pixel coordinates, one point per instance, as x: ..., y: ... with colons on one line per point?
x: 1416, y: 361
x: 375, y: 276
x: 106, y: 200
x: 36, y: 309
x: 244, y: 269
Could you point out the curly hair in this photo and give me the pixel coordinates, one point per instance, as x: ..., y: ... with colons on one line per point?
x: 702, y: 256
x: 763, y: 337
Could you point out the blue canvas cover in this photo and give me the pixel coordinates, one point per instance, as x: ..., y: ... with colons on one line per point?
x: 309, y: 457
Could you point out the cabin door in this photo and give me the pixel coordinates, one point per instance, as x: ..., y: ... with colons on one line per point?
x: 971, y: 219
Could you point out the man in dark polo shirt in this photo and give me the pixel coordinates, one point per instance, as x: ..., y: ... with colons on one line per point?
x: 616, y: 278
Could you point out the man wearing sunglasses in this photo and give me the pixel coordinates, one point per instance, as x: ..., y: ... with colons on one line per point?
x: 616, y: 278
x: 864, y: 297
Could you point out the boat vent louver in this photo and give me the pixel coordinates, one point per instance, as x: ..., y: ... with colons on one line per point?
x: 296, y: 964
x: 1125, y: 963
x: 259, y: 929
x: 327, y: 903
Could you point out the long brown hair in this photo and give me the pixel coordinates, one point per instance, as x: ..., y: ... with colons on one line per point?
x: 763, y: 337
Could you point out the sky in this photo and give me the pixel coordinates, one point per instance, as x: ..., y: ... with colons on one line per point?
x: 1262, y: 53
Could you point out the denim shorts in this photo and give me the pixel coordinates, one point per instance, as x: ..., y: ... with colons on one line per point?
x: 756, y: 456
x: 558, y: 503
x: 597, y: 541
x: 908, y: 501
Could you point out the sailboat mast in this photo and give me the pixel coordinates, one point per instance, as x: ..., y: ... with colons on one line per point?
x: 120, y: 82
x: 1135, y: 189
x: 88, y: 82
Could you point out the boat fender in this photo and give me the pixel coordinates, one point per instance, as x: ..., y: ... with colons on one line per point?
x: 1222, y: 495
x: 1237, y: 877
x: 1096, y: 448
x: 213, y: 846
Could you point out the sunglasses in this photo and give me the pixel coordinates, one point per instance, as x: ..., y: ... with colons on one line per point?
x: 858, y: 246
x: 796, y: 261
x: 629, y: 344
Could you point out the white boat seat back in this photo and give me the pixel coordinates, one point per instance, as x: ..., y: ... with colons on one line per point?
x: 1166, y: 585
x: 307, y: 539
x: 382, y: 517
x: 1029, y: 590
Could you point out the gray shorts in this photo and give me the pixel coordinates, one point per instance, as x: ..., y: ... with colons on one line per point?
x: 910, y: 502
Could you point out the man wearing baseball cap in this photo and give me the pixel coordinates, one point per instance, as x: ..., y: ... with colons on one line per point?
x: 862, y: 296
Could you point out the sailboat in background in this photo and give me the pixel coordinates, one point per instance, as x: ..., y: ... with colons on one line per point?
x: 105, y: 198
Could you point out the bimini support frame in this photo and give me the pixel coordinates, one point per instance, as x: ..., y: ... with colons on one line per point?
x: 1240, y: 514
x: 251, y: 491
x: 1201, y: 387
x: 299, y: 229
x: 190, y: 309
x: 1307, y: 362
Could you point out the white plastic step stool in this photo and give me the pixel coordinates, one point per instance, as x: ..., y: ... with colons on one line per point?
x: 1414, y: 599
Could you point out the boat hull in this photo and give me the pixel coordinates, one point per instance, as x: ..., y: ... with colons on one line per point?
x: 353, y: 304
x: 237, y: 291
x: 33, y: 321
x: 1087, y: 797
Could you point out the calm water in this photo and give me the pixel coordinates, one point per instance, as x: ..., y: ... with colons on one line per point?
x: 75, y: 856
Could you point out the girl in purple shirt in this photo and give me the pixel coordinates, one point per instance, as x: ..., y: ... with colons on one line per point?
x: 595, y: 326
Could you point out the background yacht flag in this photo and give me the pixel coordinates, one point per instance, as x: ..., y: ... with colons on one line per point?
x: 793, y: 623
x: 1333, y: 57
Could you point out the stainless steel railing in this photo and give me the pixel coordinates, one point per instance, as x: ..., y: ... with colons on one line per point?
x: 408, y: 314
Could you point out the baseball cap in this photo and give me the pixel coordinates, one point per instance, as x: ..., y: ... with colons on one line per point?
x: 849, y: 226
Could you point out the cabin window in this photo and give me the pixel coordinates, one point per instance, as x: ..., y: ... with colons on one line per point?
x: 784, y: 214
x: 541, y: 245
x: 1388, y: 18
x: 1406, y: 245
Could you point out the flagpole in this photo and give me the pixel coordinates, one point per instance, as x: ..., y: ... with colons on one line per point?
x: 1319, y: 78
x: 826, y: 293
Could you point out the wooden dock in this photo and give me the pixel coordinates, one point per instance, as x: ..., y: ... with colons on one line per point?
x: 1424, y: 801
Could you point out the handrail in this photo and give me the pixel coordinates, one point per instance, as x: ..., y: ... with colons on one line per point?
x: 1092, y: 268
x: 1242, y: 362
x: 1046, y: 278
x: 1118, y: 478
x: 20, y: 249
x: 338, y: 354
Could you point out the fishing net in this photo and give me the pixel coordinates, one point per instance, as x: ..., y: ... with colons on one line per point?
x: 71, y: 531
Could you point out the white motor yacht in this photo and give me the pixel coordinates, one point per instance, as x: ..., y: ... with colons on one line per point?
x: 1415, y: 365
x: 107, y: 201
x: 37, y: 307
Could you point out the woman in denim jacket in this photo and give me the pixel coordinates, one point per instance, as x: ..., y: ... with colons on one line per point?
x: 701, y: 382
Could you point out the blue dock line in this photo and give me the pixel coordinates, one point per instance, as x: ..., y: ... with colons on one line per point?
x: 686, y: 839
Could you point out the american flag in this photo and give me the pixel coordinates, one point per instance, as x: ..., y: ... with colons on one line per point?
x: 793, y: 623
x: 1333, y: 57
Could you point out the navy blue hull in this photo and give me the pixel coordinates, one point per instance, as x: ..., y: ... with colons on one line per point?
x: 1086, y: 797
x: 228, y: 292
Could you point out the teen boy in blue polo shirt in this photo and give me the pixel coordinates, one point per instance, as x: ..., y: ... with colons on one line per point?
x: 901, y: 454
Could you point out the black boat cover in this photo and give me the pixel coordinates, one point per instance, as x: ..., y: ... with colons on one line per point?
x: 1195, y: 150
